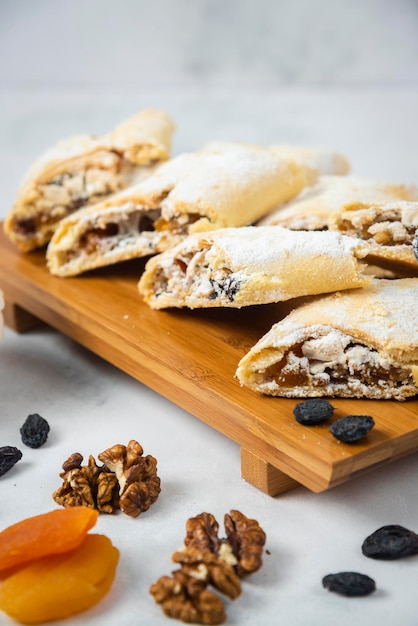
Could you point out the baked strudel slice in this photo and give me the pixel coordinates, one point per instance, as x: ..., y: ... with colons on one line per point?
x: 361, y: 343
x: 82, y: 170
x: 313, y: 207
x: 236, y: 267
x: 190, y: 193
x: 388, y: 227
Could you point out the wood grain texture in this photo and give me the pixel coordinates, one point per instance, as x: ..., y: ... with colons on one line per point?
x: 190, y: 357
x: 18, y: 319
x: 263, y: 475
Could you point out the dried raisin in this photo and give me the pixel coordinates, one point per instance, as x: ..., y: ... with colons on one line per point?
x: 313, y: 411
x: 9, y: 455
x: 34, y: 431
x: 390, y: 542
x: 352, y: 428
x: 349, y: 583
x: 228, y: 287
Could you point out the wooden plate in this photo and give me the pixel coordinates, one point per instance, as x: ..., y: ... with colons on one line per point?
x: 190, y: 357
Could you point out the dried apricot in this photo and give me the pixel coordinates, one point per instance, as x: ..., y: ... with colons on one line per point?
x: 54, y: 532
x: 58, y: 586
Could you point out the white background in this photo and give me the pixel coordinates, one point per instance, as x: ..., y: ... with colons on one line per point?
x: 342, y: 74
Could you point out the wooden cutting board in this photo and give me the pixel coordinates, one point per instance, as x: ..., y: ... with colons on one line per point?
x: 190, y: 357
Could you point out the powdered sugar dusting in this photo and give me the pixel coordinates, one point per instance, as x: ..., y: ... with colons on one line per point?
x: 209, y: 179
x: 268, y: 246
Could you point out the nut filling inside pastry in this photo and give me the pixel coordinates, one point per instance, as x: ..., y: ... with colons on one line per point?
x: 130, y: 227
x: 333, y: 362
x: 192, y: 271
x: 361, y: 343
x: 74, y: 189
x: 390, y: 228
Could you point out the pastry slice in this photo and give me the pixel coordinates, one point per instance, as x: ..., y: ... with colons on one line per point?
x: 236, y: 267
x: 361, y: 343
x: 388, y: 227
x: 82, y: 170
x: 313, y: 207
x: 191, y: 193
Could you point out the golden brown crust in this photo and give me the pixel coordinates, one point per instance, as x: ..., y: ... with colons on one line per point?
x: 82, y: 170
x: 357, y: 343
x: 145, y: 137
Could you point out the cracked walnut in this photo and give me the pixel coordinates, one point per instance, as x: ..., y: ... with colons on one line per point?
x: 205, y: 560
x: 127, y: 481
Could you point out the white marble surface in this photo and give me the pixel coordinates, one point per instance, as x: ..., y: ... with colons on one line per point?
x: 341, y: 85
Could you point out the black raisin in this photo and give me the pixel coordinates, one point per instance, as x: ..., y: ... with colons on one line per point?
x: 34, y: 431
x: 229, y: 287
x: 9, y: 455
x: 390, y: 542
x: 26, y: 226
x: 352, y: 427
x: 349, y: 583
x: 313, y: 411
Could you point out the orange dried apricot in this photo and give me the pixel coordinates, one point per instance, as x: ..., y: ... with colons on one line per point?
x: 58, y: 586
x: 54, y: 532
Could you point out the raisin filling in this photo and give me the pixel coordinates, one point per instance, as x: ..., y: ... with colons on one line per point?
x: 295, y: 369
x: 192, y: 271
x: 92, y: 239
x: 70, y: 191
x: 127, y: 227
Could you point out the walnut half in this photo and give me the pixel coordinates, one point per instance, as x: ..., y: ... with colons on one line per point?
x: 139, y: 484
x: 207, y: 560
x: 211, y: 568
x: 187, y: 599
x: 246, y: 539
x: 87, y: 485
x: 243, y: 546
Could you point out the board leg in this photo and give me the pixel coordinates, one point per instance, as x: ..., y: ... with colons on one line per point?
x: 264, y: 476
x: 19, y: 319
